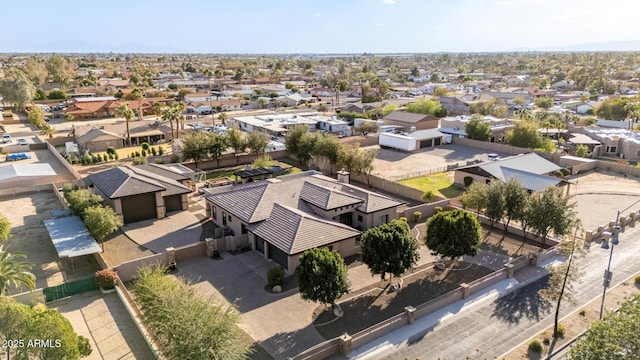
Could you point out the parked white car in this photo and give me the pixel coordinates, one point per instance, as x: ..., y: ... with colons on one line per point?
x: 6, y: 138
x: 22, y: 141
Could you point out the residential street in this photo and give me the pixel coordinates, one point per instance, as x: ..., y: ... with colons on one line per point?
x: 492, y: 328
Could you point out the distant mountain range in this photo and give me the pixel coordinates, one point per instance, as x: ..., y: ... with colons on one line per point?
x: 75, y: 46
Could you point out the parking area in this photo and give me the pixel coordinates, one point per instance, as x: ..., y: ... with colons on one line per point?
x: 29, y: 236
x: 391, y: 164
x: 600, y: 195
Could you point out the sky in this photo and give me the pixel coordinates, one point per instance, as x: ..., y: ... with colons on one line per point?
x: 320, y: 26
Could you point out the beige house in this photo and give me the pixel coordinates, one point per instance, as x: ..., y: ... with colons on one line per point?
x: 284, y: 216
x: 410, y: 121
x: 101, y: 137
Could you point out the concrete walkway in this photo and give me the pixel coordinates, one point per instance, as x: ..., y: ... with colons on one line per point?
x: 103, y: 319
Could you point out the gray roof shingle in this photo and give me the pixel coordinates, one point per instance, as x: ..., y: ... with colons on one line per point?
x: 326, y: 198
x: 128, y: 180
x: 294, y: 231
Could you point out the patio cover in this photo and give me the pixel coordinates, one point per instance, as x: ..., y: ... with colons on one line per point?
x: 71, y: 238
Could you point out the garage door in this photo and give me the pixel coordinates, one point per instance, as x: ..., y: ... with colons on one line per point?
x: 173, y: 202
x: 278, y: 256
x: 260, y: 244
x: 437, y: 141
x: 426, y: 143
x: 139, y: 207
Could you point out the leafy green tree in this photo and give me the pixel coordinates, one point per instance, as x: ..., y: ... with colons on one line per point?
x: 16, y: 88
x: 543, y: 102
x: 475, y: 197
x: 389, y: 248
x: 491, y: 107
x: 36, y: 117
x: 300, y: 143
x: 22, y: 323
x: 515, y: 197
x: 5, y: 228
x: 157, y: 108
x: 81, y: 199
x: 453, y: 234
x: 550, y: 210
x: 185, y: 324
x: 524, y: 134
x: 14, y: 272
x: 35, y: 69
x: 388, y: 109
x: 322, y: 276
x: 61, y: 70
x: 264, y: 161
x: 127, y: 113
x: 440, y: 91
x: 356, y: 160
x: 613, y: 338
x: 478, y: 129
x: 196, y: 147
x: 426, y: 107
x: 236, y: 141
x: 613, y: 109
x: 367, y: 127
x: 495, y: 201
x: 57, y: 95
x: 325, y: 149
x: 582, y: 150
x: 47, y: 131
x: 257, y: 141
x: 217, y: 146
x: 101, y: 221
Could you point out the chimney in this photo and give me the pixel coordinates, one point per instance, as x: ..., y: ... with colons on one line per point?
x: 343, y: 176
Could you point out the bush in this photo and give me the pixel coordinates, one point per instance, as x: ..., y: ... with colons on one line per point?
x: 106, y: 278
x: 428, y: 196
x: 417, y: 215
x: 144, y: 153
x: 557, y: 173
x: 561, y: 331
x: 160, y: 150
x: 565, y: 171
x: 584, y: 312
x: 111, y: 150
x: 467, y: 181
x: 158, y: 161
x: 145, y: 146
x: 437, y: 210
x: 536, y: 346
x: 153, y: 151
x: 637, y: 280
x: 174, y: 158
x: 139, y: 160
x: 275, y: 276
x: 116, y: 156
x: 403, y: 218
x: 137, y: 154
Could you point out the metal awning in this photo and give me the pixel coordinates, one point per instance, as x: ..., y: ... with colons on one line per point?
x: 71, y: 238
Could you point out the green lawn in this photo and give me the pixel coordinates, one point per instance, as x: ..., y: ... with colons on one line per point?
x: 441, y: 184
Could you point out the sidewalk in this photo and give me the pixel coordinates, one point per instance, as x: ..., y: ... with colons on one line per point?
x: 456, y: 311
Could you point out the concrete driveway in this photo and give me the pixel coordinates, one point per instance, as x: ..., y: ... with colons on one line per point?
x: 178, y: 229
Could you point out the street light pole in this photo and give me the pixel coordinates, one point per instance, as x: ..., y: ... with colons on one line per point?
x: 615, y: 232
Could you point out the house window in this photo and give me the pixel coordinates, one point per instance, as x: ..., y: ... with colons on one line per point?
x: 358, y: 238
x: 612, y: 149
x: 384, y: 219
x: 214, y: 212
x: 360, y: 216
x: 243, y: 228
x: 224, y: 218
x: 229, y: 217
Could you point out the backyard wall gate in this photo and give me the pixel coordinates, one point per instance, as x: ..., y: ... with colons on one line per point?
x: 69, y: 288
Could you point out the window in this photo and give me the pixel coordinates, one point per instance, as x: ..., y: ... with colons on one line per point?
x: 358, y: 238
x: 243, y: 228
x: 224, y: 218
x: 214, y: 212
x: 384, y: 219
x: 360, y: 216
x: 612, y: 149
x: 229, y: 217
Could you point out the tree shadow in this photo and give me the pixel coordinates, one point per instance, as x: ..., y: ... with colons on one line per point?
x: 523, y: 303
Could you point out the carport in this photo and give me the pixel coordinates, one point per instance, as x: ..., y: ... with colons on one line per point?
x: 71, y: 238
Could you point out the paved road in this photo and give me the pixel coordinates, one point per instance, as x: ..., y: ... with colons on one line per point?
x: 493, y: 328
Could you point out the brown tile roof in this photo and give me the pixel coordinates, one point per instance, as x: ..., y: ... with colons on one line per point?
x: 408, y: 117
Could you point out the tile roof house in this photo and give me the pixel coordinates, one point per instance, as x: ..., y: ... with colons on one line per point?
x: 284, y: 216
x: 142, y: 192
x: 531, y: 169
x: 101, y: 137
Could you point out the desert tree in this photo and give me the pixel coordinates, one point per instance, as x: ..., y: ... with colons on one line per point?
x: 322, y: 276
x: 453, y: 234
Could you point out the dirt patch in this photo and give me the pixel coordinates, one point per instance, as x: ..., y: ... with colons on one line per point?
x: 118, y: 248
x: 375, y: 303
x: 578, y: 321
x: 29, y: 236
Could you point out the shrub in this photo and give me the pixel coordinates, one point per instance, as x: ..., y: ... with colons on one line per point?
x: 584, y: 312
x: 565, y: 171
x: 153, y: 151
x: 139, y: 160
x: 536, y: 346
x: 145, y: 146
x: 437, y: 210
x: 174, y: 158
x: 116, y: 156
x: 111, y: 150
x: 160, y: 150
x: 87, y: 159
x: 137, y: 154
x: 144, y: 153
x: 275, y: 276
x: 561, y: 331
x: 84, y: 346
x: 158, y: 161
x: 417, y: 215
x: 403, y: 218
x: 106, y: 278
x: 428, y: 196
x: 467, y: 181
x: 557, y: 173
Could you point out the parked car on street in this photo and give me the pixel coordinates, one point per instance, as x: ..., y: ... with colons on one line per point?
x: 6, y: 138
x: 22, y: 141
x: 18, y: 156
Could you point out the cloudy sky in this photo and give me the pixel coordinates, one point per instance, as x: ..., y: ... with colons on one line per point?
x: 321, y: 26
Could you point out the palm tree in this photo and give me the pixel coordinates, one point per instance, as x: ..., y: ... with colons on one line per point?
x: 223, y: 116
x: 47, y: 130
x: 125, y: 111
x: 15, y: 272
x: 168, y: 114
x: 180, y: 107
x: 157, y: 109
